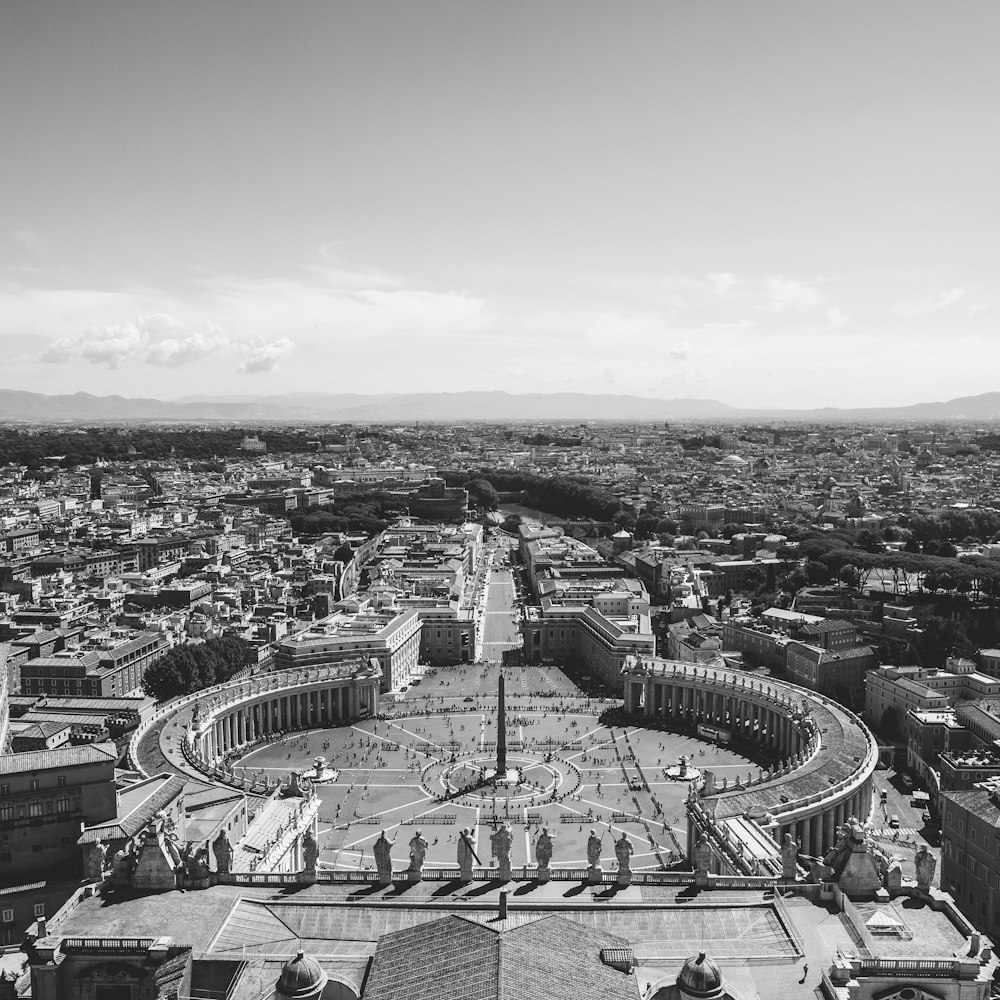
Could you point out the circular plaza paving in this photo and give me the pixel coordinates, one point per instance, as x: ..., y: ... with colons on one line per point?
x: 430, y: 765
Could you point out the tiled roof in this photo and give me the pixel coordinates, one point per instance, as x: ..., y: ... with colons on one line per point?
x: 827, y: 625
x: 130, y: 824
x: 39, y: 760
x: 460, y: 958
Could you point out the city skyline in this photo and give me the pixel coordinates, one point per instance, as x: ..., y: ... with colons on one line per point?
x: 772, y: 205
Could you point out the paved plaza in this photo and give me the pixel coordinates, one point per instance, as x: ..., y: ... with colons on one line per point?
x: 411, y: 771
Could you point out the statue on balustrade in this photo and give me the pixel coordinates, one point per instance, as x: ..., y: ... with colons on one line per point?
x: 543, y: 848
x: 623, y: 852
x: 789, y: 857
x: 195, y: 860
x: 310, y: 851
x: 123, y: 865
x: 501, y: 841
x: 223, y: 851
x: 466, y: 854
x: 95, y: 860
x: 594, y: 851
x: 418, y: 848
x: 925, y: 864
x: 382, y: 849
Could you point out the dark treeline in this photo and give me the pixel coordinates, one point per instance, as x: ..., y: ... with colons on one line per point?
x: 361, y: 513
x: 86, y: 445
x: 193, y: 667
x: 564, y: 496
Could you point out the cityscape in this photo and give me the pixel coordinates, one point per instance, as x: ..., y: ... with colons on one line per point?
x: 751, y: 669
x: 499, y: 500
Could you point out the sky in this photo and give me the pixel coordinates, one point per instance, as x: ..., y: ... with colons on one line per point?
x: 766, y: 203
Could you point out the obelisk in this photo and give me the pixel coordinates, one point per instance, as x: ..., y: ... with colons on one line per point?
x: 501, y: 734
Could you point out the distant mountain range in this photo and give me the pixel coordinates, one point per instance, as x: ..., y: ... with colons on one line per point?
x: 457, y: 407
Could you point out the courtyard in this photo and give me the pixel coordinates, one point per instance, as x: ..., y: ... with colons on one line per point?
x: 425, y: 765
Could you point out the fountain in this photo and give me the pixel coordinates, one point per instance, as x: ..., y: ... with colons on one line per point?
x: 682, y: 770
x: 320, y: 773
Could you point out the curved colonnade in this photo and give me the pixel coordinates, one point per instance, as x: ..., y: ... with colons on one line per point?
x: 228, y: 718
x: 826, y: 755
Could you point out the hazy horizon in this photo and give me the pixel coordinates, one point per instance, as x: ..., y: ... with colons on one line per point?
x: 778, y: 205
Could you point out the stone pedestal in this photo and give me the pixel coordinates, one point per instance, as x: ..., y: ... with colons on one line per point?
x: 414, y: 875
x: 544, y: 874
x: 624, y: 878
x: 503, y: 870
x: 594, y: 875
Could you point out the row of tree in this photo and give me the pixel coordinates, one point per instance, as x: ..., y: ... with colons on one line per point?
x: 86, y: 445
x: 359, y: 513
x: 194, y: 667
x: 564, y: 496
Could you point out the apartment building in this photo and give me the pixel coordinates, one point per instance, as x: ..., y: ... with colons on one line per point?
x: 45, y: 796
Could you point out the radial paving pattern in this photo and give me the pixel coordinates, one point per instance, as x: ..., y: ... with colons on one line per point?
x: 431, y: 768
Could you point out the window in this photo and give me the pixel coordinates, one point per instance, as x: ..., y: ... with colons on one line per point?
x: 8, y: 916
x: 61, y: 781
x: 34, y: 784
x: 4, y: 789
x: 39, y: 909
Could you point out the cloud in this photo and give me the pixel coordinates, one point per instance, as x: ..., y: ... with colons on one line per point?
x: 930, y: 304
x: 836, y: 317
x: 155, y: 339
x: 31, y: 241
x: 782, y: 293
x: 681, y: 351
x: 164, y: 341
x: 265, y: 357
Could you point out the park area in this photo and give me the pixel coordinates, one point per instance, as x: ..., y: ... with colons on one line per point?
x: 427, y: 764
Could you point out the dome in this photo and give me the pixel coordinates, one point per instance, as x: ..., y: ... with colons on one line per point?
x: 300, y: 978
x: 701, y: 979
x: 732, y: 460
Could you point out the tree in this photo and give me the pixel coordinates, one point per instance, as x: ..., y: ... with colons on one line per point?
x: 483, y: 492
x: 912, y: 545
x: 943, y: 637
x: 868, y: 540
x: 666, y: 526
x: 193, y: 667
x: 728, y: 530
x: 645, y: 525
x: 344, y: 553
x: 624, y: 520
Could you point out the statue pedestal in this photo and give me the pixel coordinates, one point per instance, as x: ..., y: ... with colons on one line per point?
x: 307, y: 877
x: 414, y: 875
x: 503, y: 871
x: 385, y: 879
x: 543, y: 875
x: 594, y: 875
x: 465, y: 874
x: 624, y: 878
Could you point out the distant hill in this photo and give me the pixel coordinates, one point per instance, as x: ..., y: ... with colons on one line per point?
x: 457, y: 407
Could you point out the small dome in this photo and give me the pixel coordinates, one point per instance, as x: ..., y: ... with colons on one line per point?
x: 701, y: 979
x: 300, y: 978
x: 732, y: 460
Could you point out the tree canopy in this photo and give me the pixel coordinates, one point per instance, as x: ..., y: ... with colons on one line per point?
x: 193, y: 667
